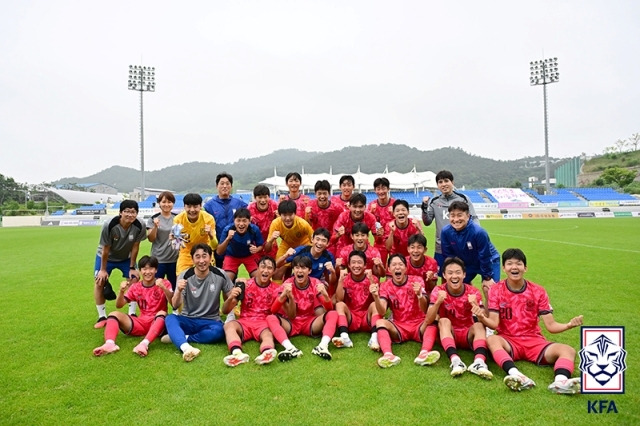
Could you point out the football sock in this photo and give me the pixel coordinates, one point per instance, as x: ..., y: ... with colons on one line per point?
x: 278, y: 332
x: 449, y: 346
x: 329, y: 328
x: 563, y: 367
x: 385, y: 340
x: 324, y: 342
x: 145, y: 342
x: 236, y: 344
x: 184, y: 347
x: 502, y: 358
x: 287, y: 344
x: 156, y: 328
x: 429, y: 337
x: 112, y: 328
x: 480, y: 349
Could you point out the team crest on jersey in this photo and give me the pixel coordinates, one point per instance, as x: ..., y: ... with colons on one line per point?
x: 530, y: 305
x: 602, y: 359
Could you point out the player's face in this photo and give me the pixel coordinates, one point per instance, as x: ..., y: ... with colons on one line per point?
x: 458, y: 219
x: 360, y: 240
x: 401, y: 213
x: 416, y: 251
x: 301, y: 275
x: 265, y: 272
x: 293, y: 184
x: 346, y: 188
x: 241, y: 224
x: 357, y: 211
x: 382, y: 192
x: 320, y: 243
x: 201, y: 260
x: 515, y: 269
x: 224, y: 188
x: 166, y: 205
x: 445, y: 186
x: 287, y: 219
x: 398, y: 270
x: 128, y: 216
x: 148, y: 274
x: 356, y: 266
x: 262, y: 202
x: 454, y: 275
x: 193, y: 211
x: 322, y: 197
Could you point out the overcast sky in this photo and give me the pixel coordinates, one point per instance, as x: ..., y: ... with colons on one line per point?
x: 239, y: 79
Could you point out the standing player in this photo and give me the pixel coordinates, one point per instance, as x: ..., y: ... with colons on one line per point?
x: 347, y: 185
x: 294, y: 181
x: 437, y: 208
x: 360, y: 237
x: 197, y: 227
x: 382, y: 209
x: 453, y: 302
x: 152, y: 294
x: 263, y: 211
x: 418, y: 263
x: 118, y: 249
x: 241, y: 242
x: 401, y: 228
x: 305, y: 300
x: 257, y: 297
x: 158, y: 230
x: 321, y: 212
x: 515, y: 306
x: 346, y: 220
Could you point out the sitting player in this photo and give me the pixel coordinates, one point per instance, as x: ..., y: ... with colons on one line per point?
x: 382, y: 209
x: 360, y: 237
x: 418, y: 263
x: 263, y: 211
x: 152, y: 295
x: 294, y: 181
x: 321, y: 212
x: 347, y: 184
x: 257, y: 297
x: 305, y: 300
x: 240, y: 244
x: 514, y: 307
x: 458, y: 328
x: 401, y: 228
x: 322, y: 260
x: 405, y: 296
x: 347, y: 219
x: 354, y: 305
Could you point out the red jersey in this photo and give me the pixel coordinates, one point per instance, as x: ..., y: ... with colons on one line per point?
x: 356, y: 293
x: 323, y: 217
x: 370, y: 252
x: 263, y: 219
x: 457, y: 308
x: 301, y: 203
x: 383, y: 215
x: 519, y: 311
x: 338, y: 201
x: 345, y: 220
x: 429, y: 264
x: 401, y: 237
x: 307, y: 299
x: 151, y: 300
x: 402, y: 300
x: 258, y: 300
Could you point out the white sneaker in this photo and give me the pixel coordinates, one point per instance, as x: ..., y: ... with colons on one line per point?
x: 519, y: 382
x: 266, y: 357
x: 457, y: 367
x: 190, y: 354
x: 342, y: 342
x: 374, y: 345
x: 236, y: 359
x: 322, y: 352
x: 566, y: 387
x: 289, y: 354
x: 388, y: 360
x: 165, y: 339
x: 479, y: 368
x: 427, y: 358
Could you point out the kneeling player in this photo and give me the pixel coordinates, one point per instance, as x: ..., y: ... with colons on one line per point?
x: 304, y: 299
x: 257, y: 298
x: 152, y: 295
x: 514, y: 307
x: 453, y: 301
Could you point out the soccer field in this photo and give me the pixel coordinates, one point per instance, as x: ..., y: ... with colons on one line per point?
x: 588, y: 266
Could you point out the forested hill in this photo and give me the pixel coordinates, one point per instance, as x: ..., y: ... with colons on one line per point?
x: 469, y: 170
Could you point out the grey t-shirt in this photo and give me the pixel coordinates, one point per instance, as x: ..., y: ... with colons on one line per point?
x: 438, y: 209
x: 201, y: 297
x: 120, y: 240
x: 161, y: 247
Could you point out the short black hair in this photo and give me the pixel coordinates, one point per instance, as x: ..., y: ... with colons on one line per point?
x: 323, y: 232
x: 399, y: 256
x: 417, y: 238
x: 514, y: 253
x: 261, y: 190
x: 242, y: 213
x: 449, y: 260
x: 303, y: 261
x: 459, y: 205
x: 345, y: 178
x: 224, y: 175
x: 129, y: 204
x: 292, y: 174
x: 192, y: 199
x: 444, y: 174
x: 381, y: 181
x: 267, y: 258
x: 400, y: 202
x: 358, y: 253
x: 360, y: 227
x: 358, y: 199
x: 322, y: 185
x: 287, y: 207
x: 151, y: 261
x: 201, y: 246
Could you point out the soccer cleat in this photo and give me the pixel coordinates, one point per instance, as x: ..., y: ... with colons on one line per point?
x: 566, y: 387
x: 342, y: 342
x: 374, y: 345
x: 479, y: 368
x: 518, y: 382
x: 322, y: 352
x: 388, y: 360
x: 141, y: 349
x: 234, y: 360
x: 107, y: 291
x: 289, y: 354
x: 427, y: 358
x: 190, y: 354
x: 102, y: 321
x: 165, y: 339
x: 457, y: 367
x: 107, y: 348
x: 266, y: 357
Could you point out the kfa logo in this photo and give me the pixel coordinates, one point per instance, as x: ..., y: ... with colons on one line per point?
x: 602, y: 359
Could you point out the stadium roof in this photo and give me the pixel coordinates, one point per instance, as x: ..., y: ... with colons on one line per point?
x: 83, y: 197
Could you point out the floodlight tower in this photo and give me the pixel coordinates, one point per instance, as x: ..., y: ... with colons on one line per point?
x: 142, y: 79
x: 543, y: 72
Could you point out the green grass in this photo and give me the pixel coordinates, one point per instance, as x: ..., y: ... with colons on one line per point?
x: 48, y: 375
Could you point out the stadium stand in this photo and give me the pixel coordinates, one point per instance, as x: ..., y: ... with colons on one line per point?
x: 601, y: 194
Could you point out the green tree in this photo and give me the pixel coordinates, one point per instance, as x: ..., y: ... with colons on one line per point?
x: 618, y: 175
x: 10, y: 190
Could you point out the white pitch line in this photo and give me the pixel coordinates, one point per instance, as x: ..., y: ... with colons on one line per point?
x: 567, y: 243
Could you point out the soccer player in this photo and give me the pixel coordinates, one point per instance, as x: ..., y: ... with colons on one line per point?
x: 197, y: 227
x: 346, y: 220
x: 354, y: 304
x: 152, y: 294
x: 263, y: 211
x: 293, y: 181
x: 222, y: 207
x: 465, y: 239
x: 321, y: 212
x: 406, y: 297
x: 118, y: 249
x: 241, y: 244
x: 347, y: 184
x: 322, y: 261
x: 437, y: 208
x: 198, y: 293
x: 292, y: 230
x: 515, y: 306
x: 158, y: 230
x: 418, y: 263
x: 301, y: 306
x: 382, y: 209
x: 399, y: 229
x: 257, y: 297
x: 360, y: 237
x: 452, y: 302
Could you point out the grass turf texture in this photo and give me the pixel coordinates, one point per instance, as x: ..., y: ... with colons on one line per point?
x: 588, y: 266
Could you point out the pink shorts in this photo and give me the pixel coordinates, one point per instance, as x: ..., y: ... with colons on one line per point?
x: 359, y: 322
x: 232, y: 264
x: 408, y: 331
x: 461, y: 338
x: 252, y: 329
x: 141, y: 325
x: 302, y: 325
x: 528, y: 348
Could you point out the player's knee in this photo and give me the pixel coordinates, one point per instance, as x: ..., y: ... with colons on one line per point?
x: 444, y: 324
